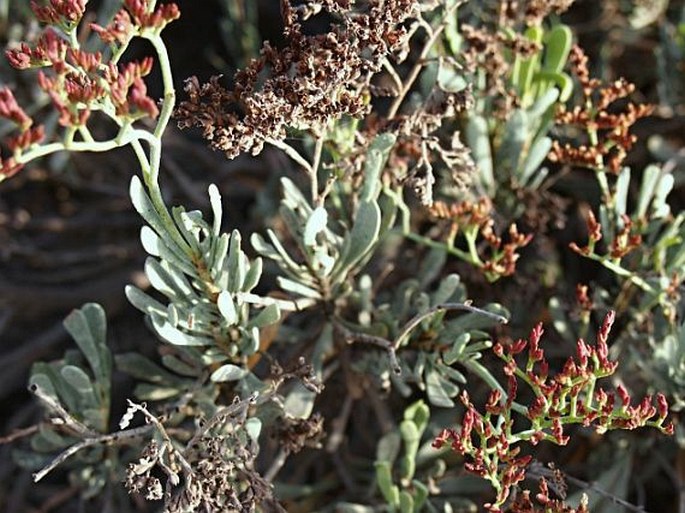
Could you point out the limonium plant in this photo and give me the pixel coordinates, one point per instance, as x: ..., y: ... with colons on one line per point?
x: 240, y: 389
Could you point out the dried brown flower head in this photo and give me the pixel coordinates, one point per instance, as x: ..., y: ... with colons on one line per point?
x: 493, y: 51
x: 475, y: 219
x: 420, y: 146
x: 529, y: 12
x: 544, y: 503
x: 608, y: 129
x: 305, y: 85
x: 626, y: 240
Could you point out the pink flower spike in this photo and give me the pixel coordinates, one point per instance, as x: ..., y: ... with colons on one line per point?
x: 10, y: 109
x: 662, y: 405
x: 517, y: 346
x: 583, y: 352
x: 59, y: 12
x: 441, y: 439
x: 558, y: 432
x: 9, y: 167
x: 624, y: 395
x: 603, y: 334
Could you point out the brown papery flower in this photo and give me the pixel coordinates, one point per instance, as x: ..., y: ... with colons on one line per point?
x: 598, y: 114
x: 313, y: 80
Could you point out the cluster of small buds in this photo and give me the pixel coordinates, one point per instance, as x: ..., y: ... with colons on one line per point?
x: 136, y: 18
x: 505, y: 255
x: 65, y: 14
x: 77, y: 81
x: 27, y: 134
x: 49, y: 48
x: 489, y: 51
x: 625, y: 241
x: 609, y: 133
x: 569, y: 397
x: 476, y: 219
x: 583, y: 298
x: 491, y: 454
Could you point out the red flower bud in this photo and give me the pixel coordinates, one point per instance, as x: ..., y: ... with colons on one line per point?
x: 624, y: 395
x: 662, y: 405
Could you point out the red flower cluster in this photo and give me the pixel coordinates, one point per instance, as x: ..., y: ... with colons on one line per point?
x: 49, y: 48
x: 135, y: 18
x: 10, y: 110
x: 80, y: 82
x: 62, y: 13
x: 567, y: 398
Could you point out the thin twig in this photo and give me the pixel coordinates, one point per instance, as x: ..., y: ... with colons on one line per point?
x: 416, y: 70
x: 116, y: 437
x: 316, y: 162
x: 237, y: 409
x: 364, y: 338
x: 393, y: 74
x: 154, y: 421
x: 17, y: 434
x: 277, y: 465
x: 64, y: 418
x: 294, y: 155
x: 416, y: 320
x: 339, y: 424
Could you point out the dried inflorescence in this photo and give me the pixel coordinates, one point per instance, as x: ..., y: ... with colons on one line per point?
x: 421, y: 145
x: 569, y: 397
x: 215, y: 472
x: 493, y: 52
x: 607, y: 129
x: 534, y: 11
x: 625, y: 241
x: 307, y: 84
x: 475, y: 219
x: 544, y: 503
x: 296, y: 434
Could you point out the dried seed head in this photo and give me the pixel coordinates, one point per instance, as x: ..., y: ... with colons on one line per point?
x: 310, y: 82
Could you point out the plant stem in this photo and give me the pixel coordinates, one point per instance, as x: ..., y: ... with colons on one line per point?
x: 316, y: 162
x: 442, y: 308
x: 297, y: 157
x: 117, y: 437
x: 416, y: 70
x: 451, y: 250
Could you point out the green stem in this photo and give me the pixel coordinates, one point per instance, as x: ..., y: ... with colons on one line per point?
x: 168, y: 81
x: 416, y: 320
x: 125, y: 136
x: 451, y: 250
x: 297, y: 157
x: 316, y: 162
x: 471, y: 236
x: 622, y: 271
